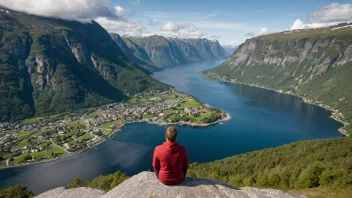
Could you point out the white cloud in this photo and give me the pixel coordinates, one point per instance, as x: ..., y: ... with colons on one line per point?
x: 112, y: 19
x: 174, y: 26
x: 263, y: 31
x: 135, y: 2
x: 299, y: 24
x: 332, y: 13
x: 81, y: 10
x: 194, y: 32
x: 220, y: 25
x: 119, y: 10
x: 126, y: 26
x: 154, y: 23
x: 234, y: 43
x: 184, y: 30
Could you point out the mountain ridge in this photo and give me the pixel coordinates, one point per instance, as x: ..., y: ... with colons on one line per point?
x: 49, y: 65
x: 157, y: 51
x: 314, y: 64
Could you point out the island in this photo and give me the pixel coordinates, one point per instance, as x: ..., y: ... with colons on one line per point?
x: 41, y: 139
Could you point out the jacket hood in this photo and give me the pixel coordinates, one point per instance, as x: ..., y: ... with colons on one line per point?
x: 171, y: 147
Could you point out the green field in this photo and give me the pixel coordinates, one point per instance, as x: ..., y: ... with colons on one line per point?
x: 189, y: 103
x: 23, y: 134
x: 40, y: 155
x: 40, y: 133
x: 45, y: 144
x: 76, y: 124
x: 86, y: 136
x: 107, y: 125
x: 199, y: 119
x: 148, y: 116
x: 107, y: 132
x: 7, y: 155
x: 72, y: 142
x: 69, y: 134
x: 47, y: 118
x: 133, y: 101
x: 170, y: 101
x: 23, y: 143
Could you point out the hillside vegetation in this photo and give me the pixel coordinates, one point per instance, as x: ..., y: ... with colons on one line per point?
x: 315, y: 64
x: 103, y: 182
x: 49, y: 66
x: 318, y: 168
x: 301, y: 165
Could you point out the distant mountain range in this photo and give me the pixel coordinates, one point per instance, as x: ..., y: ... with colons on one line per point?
x: 155, y: 52
x: 48, y: 66
x: 313, y: 63
x: 229, y: 48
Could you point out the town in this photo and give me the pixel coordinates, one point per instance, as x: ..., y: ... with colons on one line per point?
x: 41, y: 139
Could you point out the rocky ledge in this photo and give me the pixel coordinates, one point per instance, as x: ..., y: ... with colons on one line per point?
x: 145, y: 185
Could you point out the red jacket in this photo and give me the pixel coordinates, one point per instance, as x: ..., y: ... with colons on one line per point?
x: 170, y: 158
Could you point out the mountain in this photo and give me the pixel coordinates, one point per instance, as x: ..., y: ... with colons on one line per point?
x: 49, y: 66
x: 144, y: 61
x: 162, y: 51
x: 315, y: 64
x: 229, y: 48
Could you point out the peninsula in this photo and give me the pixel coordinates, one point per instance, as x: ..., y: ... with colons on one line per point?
x: 41, y: 139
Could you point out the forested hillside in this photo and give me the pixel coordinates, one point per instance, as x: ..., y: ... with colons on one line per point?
x: 49, y: 66
x: 313, y: 63
x: 301, y: 165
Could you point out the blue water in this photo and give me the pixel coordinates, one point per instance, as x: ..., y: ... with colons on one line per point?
x: 260, y: 119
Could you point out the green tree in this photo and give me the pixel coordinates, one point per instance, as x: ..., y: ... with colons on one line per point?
x: 16, y: 191
x: 76, y: 183
x: 28, y: 157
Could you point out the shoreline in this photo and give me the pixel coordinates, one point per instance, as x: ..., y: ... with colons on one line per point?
x: 226, y: 118
x: 333, y: 111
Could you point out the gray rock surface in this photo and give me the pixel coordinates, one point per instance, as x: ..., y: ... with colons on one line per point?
x: 145, y: 185
x: 62, y: 192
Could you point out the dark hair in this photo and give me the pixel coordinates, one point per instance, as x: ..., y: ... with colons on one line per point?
x: 171, y: 133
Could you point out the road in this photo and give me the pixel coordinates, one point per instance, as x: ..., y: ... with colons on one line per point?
x: 58, y: 145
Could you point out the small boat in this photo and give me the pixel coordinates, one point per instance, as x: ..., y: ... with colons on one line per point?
x: 221, y: 123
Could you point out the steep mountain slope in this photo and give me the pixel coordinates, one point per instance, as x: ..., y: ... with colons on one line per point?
x: 315, y: 64
x: 143, y: 62
x: 49, y: 66
x: 162, y: 51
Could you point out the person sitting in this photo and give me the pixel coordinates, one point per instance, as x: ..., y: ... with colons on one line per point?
x: 170, y: 160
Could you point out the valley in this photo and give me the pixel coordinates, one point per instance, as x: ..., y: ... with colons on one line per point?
x: 48, y: 138
x: 88, y: 89
x: 259, y: 119
x: 156, y: 52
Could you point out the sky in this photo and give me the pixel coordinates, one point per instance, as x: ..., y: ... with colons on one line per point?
x: 231, y: 22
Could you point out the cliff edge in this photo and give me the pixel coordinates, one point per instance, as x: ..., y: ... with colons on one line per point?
x: 145, y: 185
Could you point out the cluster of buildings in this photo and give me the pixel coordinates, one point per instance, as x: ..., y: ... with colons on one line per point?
x: 45, y: 135
x: 152, y: 105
